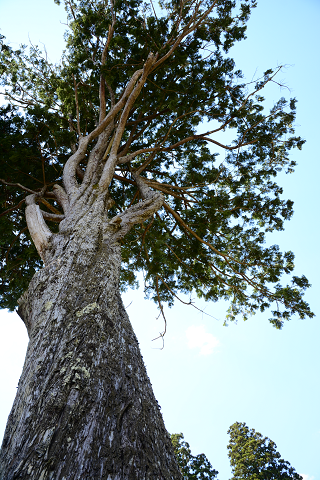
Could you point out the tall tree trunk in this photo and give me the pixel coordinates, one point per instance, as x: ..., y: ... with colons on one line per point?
x: 84, y: 407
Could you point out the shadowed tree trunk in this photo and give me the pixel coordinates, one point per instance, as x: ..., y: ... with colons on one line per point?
x: 84, y: 407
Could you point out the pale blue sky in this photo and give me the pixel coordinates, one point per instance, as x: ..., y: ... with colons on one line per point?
x: 209, y: 376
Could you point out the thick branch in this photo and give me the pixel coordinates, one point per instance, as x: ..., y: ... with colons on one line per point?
x: 50, y: 207
x: 38, y: 228
x: 111, y: 163
x: 62, y: 197
x: 145, y: 191
x: 69, y: 172
x: 138, y: 213
x: 116, y: 109
x: 102, y: 80
x: 95, y: 156
x: 52, y: 217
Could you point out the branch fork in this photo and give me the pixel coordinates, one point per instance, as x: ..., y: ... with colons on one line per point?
x: 138, y: 213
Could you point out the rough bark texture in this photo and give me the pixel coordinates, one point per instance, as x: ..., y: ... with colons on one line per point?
x: 84, y: 407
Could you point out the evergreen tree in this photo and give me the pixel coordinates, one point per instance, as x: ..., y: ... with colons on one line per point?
x: 192, y: 467
x: 255, y: 457
x: 163, y: 141
x: 112, y: 145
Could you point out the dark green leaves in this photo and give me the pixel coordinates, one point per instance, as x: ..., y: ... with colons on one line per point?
x: 254, y: 457
x: 192, y: 467
x: 206, y: 141
x: 28, y: 157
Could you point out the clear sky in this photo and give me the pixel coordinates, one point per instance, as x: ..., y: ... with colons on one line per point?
x: 209, y: 376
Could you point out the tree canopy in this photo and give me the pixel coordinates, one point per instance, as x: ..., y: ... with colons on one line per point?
x: 146, y: 96
x: 192, y: 467
x: 254, y: 457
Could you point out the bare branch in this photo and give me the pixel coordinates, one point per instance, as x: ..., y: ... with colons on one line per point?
x: 52, y: 216
x: 102, y: 94
x: 96, y: 156
x: 49, y: 206
x: 166, y: 189
x: 161, y: 334
x: 133, y: 136
x: 146, y: 162
x: 17, y: 185
x: 123, y: 179
x: 178, y: 298
x: 177, y: 217
x: 116, y: 109
x: 131, y: 156
x: 145, y: 191
x: 137, y: 213
x: 111, y: 163
x: 102, y: 80
x: 15, y: 207
x: 226, y: 257
x: 69, y: 172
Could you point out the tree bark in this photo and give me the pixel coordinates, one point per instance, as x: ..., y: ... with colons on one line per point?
x: 84, y: 408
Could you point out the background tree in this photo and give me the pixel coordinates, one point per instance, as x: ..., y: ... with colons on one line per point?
x: 254, y: 457
x: 192, y: 467
x: 149, y: 124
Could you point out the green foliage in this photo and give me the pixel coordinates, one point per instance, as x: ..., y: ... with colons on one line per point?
x: 20, y: 160
x: 210, y: 236
x: 192, y: 467
x: 254, y: 457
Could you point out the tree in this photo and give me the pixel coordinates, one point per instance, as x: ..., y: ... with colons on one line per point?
x: 254, y: 457
x: 191, y: 467
x: 111, y: 143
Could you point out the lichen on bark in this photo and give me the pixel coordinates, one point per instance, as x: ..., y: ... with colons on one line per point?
x: 84, y: 407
